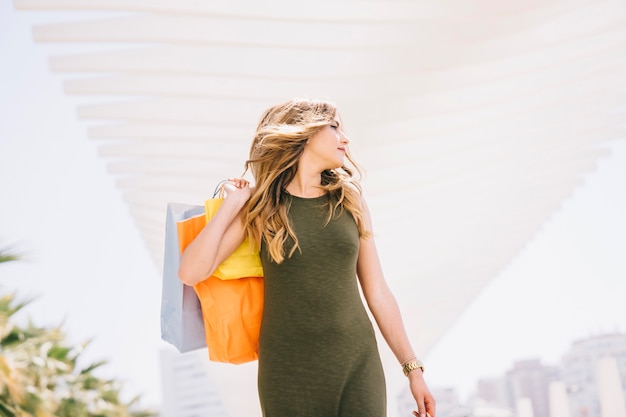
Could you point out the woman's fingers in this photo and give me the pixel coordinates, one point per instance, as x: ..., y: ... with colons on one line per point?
x: 429, y: 406
x: 238, y: 182
x: 421, y: 409
x: 234, y: 184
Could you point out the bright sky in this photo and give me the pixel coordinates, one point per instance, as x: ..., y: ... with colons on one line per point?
x: 90, y: 272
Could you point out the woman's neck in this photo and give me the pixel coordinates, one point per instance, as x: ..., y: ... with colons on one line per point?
x: 306, y: 186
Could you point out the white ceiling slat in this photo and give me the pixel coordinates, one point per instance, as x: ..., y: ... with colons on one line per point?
x: 457, y: 112
x: 401, y: 86
x: 225, y: 88
x: 221, y: 31
x: 167, y: 183
x: 208, y: 150
x: 402, y: 179
x: 185, y: 111
x: 159, y: 131
x: 151, y: 202
x: 482, y: 122
x: 532, y: 136
x: 167, y: 166
x: 220, y: 60
x: 367, y: 11
x: 338, y: 35
x: 429, y: 108
x: 587, y: 113
x: 153, y: 199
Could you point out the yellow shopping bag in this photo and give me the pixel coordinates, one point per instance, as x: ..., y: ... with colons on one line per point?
x: 245, y: 261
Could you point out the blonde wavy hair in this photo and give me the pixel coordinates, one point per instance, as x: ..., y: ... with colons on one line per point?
x: 279, y: 142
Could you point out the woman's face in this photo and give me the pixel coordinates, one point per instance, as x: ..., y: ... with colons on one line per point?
x: 328, y: 146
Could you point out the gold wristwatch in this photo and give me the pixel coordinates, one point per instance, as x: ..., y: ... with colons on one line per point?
x: 412, y: 365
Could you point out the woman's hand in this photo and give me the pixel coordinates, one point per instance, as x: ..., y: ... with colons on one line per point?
x: 219, y: 238
x: 237, y: 189
x: 424, y: 399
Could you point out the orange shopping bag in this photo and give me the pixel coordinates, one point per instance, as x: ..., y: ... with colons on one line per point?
x: 231, y: 308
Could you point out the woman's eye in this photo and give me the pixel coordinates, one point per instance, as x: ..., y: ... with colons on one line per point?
x: 334, y: 126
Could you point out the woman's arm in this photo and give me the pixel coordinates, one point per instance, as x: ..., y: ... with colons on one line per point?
x: 219, y: 238
x: 386, y: 312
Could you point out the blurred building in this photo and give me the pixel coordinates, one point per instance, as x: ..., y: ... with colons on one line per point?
x: 481, y: 408
x: 494, y: 391
x: 591, y: 382
x: 531, y: 379
x: 559, y: 400
x: 188, y: 390
x: 528, y: 381
x: 580, y: 372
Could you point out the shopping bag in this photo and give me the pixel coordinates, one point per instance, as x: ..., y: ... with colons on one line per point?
x: 245, y: 261
x: 182, y: 324
x: 232, y: 311
x: 229, y: 309
x: 232, y: 300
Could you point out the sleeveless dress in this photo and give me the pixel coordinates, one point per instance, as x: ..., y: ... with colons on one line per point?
x: 318, y: 355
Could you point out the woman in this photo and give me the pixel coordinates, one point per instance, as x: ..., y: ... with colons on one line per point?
x: 317, y: 348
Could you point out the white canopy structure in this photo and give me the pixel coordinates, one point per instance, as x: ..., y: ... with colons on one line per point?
x: 473, y: 119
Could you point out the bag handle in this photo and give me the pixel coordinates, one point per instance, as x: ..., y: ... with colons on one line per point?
x: 219, y: 189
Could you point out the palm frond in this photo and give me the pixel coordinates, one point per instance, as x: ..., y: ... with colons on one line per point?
x: 7, y: 255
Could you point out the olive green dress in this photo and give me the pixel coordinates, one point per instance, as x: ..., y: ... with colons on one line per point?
x: 318, y: 355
